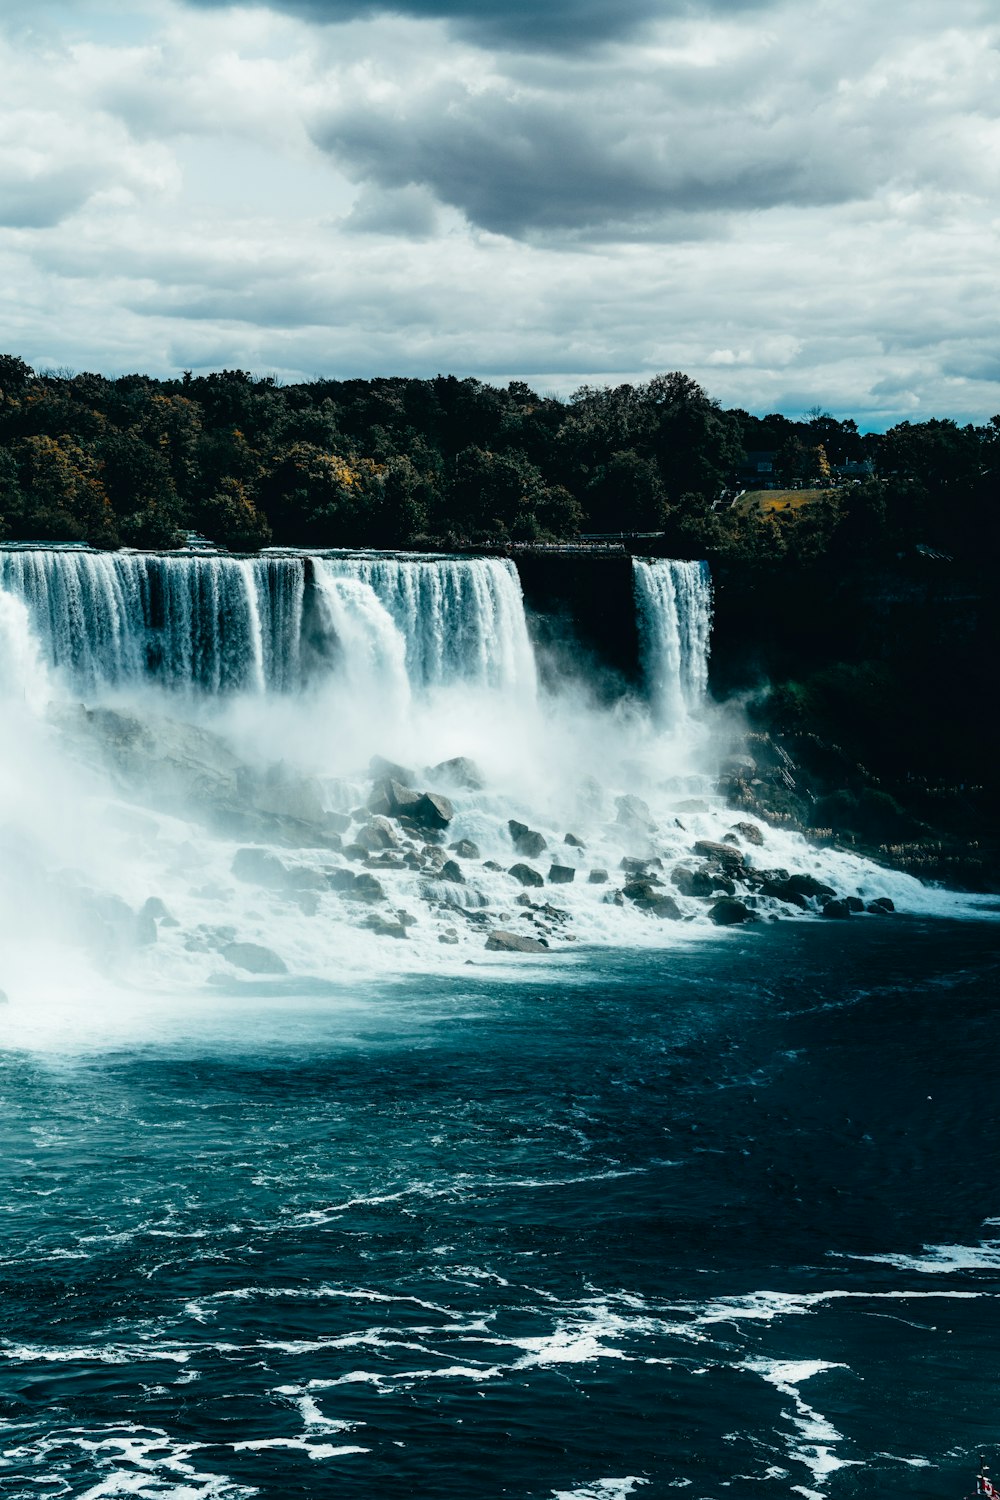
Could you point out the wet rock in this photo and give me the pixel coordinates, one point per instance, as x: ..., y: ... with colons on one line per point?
x: 634, y: 813
x: 341, y: 880
x: 378, y: 833
x: 614, y: 898
x: 355, y: 851
x: 597, y: 877
x: 525, y: 840
x: 254, y: 958
x: 380, y: 769
x: 561, y: 874
x: 452, y: 870
x: 465, y: 849
x: 303, y: 878
x: 641, y: 890
x: 808, y: 885
x: 155, y: 910
x: 432, y: 811
x: 459, y: 771
x: 837, y: 909
x: 491, y: 864
x: 781, y: 890
x: 450, y: 938
x: 391, y: 798
x: 573, y: 842
x: 526, y: 875
x: 384, y: 926
x: 750, y: 833
x: 692, y: 882
x: 407, y: 918
x: 728, y: 911
x: 512, y: 942
x: 367, y: 888
x: 282, y: 792
x: 259, y: 867
x: 650, y: 898
x: 725, y: 854
x: 881, y: 904
x: 854, y: 903
x: 640, y: 867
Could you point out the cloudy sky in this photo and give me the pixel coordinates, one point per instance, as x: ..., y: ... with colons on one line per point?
x: 796, y: 203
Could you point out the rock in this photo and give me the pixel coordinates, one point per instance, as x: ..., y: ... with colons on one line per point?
x: 465, y: 849
x: 837, y: 909
x: 750, y: 833
x: 460, y: 771
x: 378, y: 833
x: 341, y: 880
x: 573, y: 842
x: 525, y: 840
x: 384, y: 926
x: 694, y: 882
x: 451, y: 938
x: 526, y: 875
x: 259, y: 867
x: 727, y: 911
x: 781, y: 890
x: 808, y: 885
x: 391, y: 798
x: 614, y: 898
x: 597, y: 877
x: 155, y: 910
x: 407, y: 918
x: 512, y: 942
x: 367, y: 888
x: 881, y: 904
x: 562, y: 874
x: 854, y: 903
x: 380, y: 769
x: 255, y: 958
x: 727, y: 856
x: 281, y: 792
x: 302, y: 878
x: 649, y: 898
x: 640, y: 890
x: 432, y: 811
x: 355, y: 851
x: 491, y: 864
x: 640, y: 867
x: 635, y: 813
x: 452, y: 870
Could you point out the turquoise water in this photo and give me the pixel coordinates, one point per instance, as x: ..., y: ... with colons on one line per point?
x: 714, y: 1219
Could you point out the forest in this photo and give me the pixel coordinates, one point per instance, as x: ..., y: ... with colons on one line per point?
x: 450, y: 463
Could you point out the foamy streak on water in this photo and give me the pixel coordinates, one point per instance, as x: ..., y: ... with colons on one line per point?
x: 462, y: 619
x: 674, y: 605
x: 217, y: 624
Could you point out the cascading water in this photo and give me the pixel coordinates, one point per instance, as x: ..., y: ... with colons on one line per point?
x: 674, y: 604
x: 217, y: 624
x: 371, y: 649
x: 462, y: 619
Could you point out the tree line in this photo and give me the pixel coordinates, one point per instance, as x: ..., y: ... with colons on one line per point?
x: 449, y: 462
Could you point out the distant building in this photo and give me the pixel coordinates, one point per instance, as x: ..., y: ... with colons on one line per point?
x: 757, y: 472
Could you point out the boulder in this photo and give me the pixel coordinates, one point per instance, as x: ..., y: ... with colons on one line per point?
x: 391, y: 798
x: 573, y: 842
x: 465, y: 849
x: 597, y: 877
x: 378, y: 833
x: 633, y: 866
x: 512, y: 942
x: 380, y: 769
x: 836, y: 909
x: 452, y: 870
x: 749, y: 833
x: 385, y: 926
x: 781, y: 890
x: 526, y: 875
x: 727, y: 911
x: 727, y: 856
x: 491, y: 864
x: 694, y: 882
x: 450, y: 937
x: 259, y: 867
x: 649, y: 898
x: 634, y: 813
x: 808, y: 885
x: 854, y: 903
x: 460, y: 771
x: 155, y: 910
x: 432, y: 811
x: 254, y: 958
x: 561, y: 874
x: 525, y: 840
x: 881, y: 904
x: 341, y: 880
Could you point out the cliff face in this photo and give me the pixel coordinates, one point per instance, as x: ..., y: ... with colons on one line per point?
x: 871, y: 682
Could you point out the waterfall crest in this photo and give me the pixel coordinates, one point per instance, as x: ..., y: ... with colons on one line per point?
x: 674, y: 606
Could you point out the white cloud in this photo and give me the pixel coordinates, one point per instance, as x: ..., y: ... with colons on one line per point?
x: 793, y: 204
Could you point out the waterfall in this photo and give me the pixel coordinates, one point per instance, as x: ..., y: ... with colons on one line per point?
x: 217, y: 624
x: 674, y: 605
x: 371, y: 650
x: 461, y: 619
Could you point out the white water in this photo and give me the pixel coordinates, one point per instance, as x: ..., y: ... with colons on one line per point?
x: 674, y: 603
x: 260, y: 690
